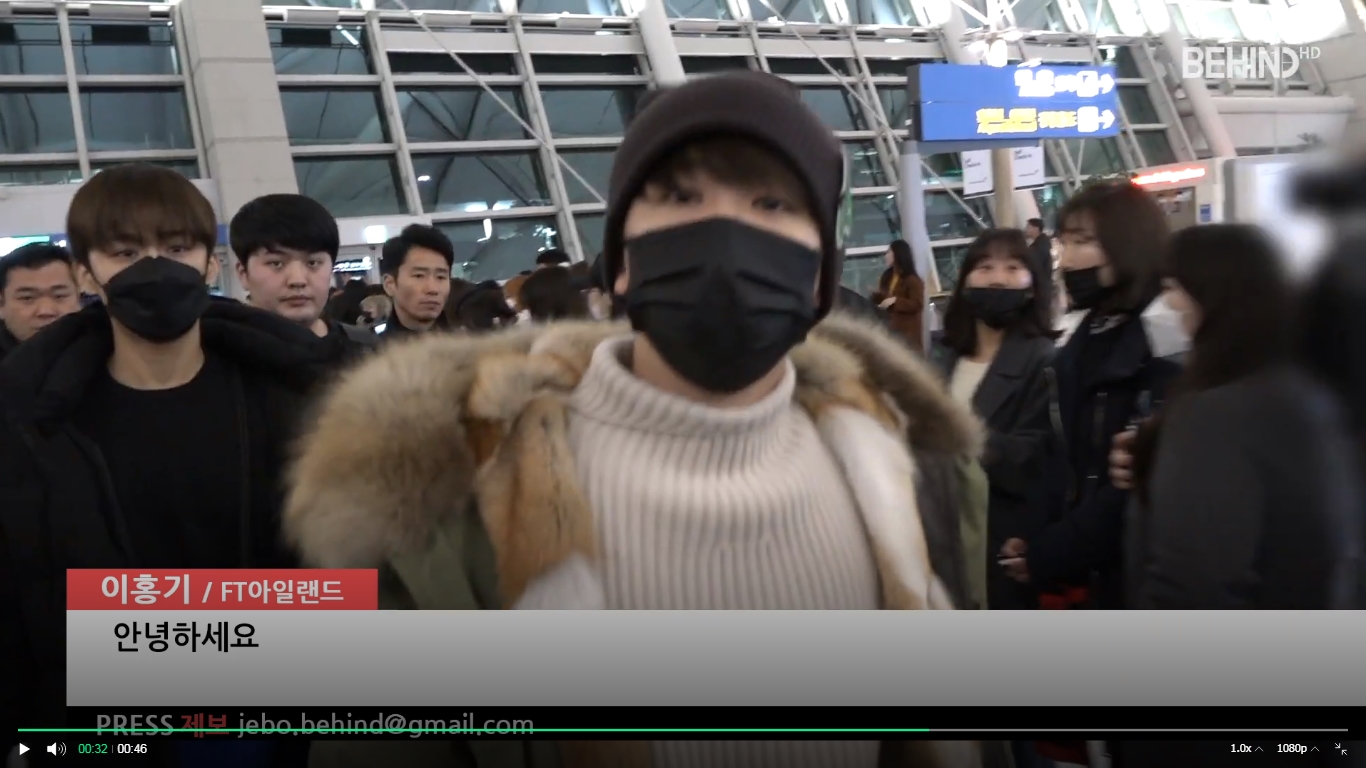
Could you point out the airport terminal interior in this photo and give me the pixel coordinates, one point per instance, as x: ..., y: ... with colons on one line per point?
x: 497, y: 120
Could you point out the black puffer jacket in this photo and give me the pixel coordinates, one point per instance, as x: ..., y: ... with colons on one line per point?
x: 59, y: 506
x: 7, y: 342
x: 1254, y: 502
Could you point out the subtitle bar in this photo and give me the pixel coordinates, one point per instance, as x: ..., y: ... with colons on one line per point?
x: 337, y: 659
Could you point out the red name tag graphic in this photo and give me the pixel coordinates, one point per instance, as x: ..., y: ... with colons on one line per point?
x: 98, y: 589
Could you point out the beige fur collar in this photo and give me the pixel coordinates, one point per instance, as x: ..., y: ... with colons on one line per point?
x: 416, y: 432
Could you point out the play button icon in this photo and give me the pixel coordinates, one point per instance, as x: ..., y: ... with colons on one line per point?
x: 22, y: 749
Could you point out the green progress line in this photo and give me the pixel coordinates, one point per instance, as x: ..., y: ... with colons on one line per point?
x: 493, y: 731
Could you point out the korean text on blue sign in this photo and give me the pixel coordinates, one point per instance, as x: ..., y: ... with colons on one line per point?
x: 965, y: 102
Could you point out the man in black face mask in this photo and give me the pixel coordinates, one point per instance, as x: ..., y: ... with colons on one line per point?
x: 721, y: 451
x: 144, y: 431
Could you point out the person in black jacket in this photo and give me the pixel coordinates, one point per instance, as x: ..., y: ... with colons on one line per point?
x: 550, y: 293
x: 149, y: 430
x: 484, y: 308
x: 995, y: 352
x: 1247, y: 485
x: 286, y: 246
x: 1041, y: 257
x: 1107, y: 379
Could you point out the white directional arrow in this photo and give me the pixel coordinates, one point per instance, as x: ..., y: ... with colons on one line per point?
x: 1107, y: 119
x: 22, y: 749
x: 1107, y: 83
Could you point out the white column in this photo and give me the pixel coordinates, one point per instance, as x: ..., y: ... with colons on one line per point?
x: 1021, y: 206
x: 658, y: 38
x: 238, y: 99
x: 1202, y: 104
x: 911, y: 202
x: 1355, y: 26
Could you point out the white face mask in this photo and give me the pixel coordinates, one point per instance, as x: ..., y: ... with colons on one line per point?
x: 1166, y: 329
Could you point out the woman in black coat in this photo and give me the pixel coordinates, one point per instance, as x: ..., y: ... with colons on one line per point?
x: 995, y: 351
x: 1247, y: 485
x: 1109, y: 376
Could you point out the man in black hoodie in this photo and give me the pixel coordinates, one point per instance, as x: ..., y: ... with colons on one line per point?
x: 286, y: 246
x: 146, y: 431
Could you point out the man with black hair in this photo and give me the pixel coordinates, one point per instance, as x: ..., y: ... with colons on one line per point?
x: 151, y: 429
x: 286, y: 246
x: 416, y: 268
x: 1041, y: 254
x: 37, y: 287
x: 553, y: 257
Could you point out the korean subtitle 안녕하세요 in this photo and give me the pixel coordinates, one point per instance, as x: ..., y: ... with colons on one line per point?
x: 194, y: 635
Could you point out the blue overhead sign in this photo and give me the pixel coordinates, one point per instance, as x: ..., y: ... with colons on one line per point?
x: 965, y: 102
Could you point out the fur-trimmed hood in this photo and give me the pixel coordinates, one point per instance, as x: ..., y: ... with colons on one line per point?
x: 417, y: 431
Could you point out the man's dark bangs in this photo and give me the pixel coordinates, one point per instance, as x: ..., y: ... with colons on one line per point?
x: 735, y: 160
x: 142, y: 218
x: 139, y: 208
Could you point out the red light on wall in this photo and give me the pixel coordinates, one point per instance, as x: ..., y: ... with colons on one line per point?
x: 1170, y: 177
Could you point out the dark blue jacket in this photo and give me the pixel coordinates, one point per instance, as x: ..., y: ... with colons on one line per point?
x: 1083, y: 544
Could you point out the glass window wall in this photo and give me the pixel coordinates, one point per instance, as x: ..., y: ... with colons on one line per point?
x: 480, y: 181
x: 333, y: 116
x: 109, y: 48
x: 352, y: 186
x: 496, y: 249
x: 462, y: 114
x: 320, y: 50
x: 30, y: 48
x: 136, y: 109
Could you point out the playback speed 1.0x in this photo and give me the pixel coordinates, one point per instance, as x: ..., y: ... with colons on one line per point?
x: 1284, y: 749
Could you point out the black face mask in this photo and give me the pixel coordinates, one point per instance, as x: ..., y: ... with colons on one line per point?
x: 1084, y: 288
x: 998, y: 307
x: 722, y: 301
x: 157, y: 298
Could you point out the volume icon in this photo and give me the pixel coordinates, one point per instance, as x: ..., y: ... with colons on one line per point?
x: 57, y: 749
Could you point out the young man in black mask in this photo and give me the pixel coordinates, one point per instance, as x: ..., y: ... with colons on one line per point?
x: 722, y: 451
x: 286, y: 246
x: 146, y: 431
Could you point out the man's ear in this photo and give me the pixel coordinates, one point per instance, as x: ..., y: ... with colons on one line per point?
x: 212, y: 269
x: 390, y: 286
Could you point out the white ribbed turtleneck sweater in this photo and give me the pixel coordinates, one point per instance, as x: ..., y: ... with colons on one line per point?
x: 703, y: 508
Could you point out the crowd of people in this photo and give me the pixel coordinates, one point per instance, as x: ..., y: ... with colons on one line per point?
x: 701, y: 418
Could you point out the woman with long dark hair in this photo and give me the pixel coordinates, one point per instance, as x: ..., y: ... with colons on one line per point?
x: 901, y: 293
x: 996, y: 348
x: 1247, y: 486
x: 1110, y: 375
